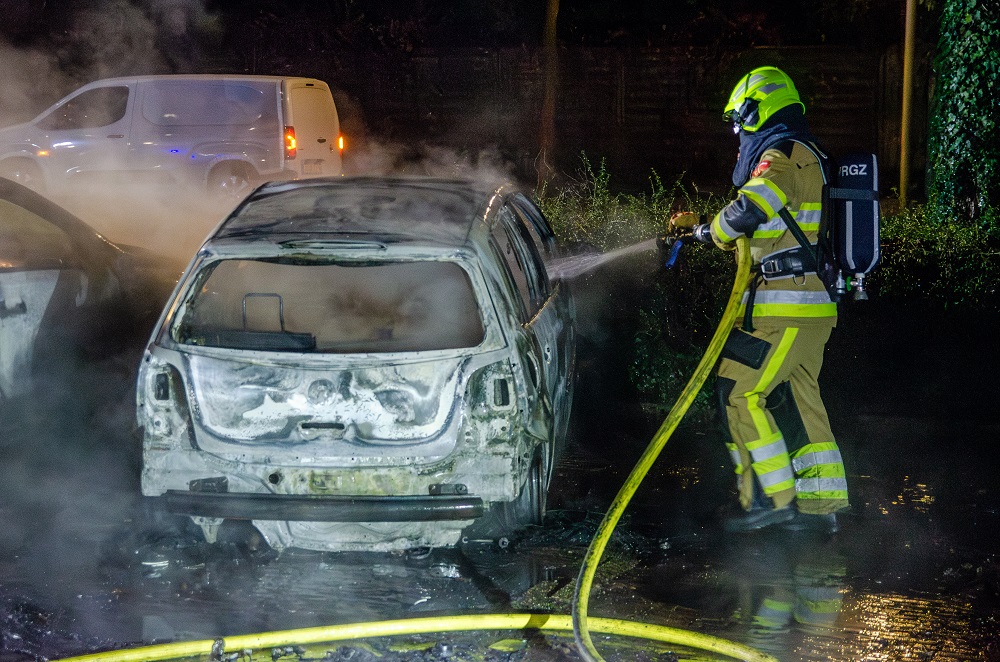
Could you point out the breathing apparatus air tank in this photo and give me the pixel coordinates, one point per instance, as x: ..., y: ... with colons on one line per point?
x: 852, y: 222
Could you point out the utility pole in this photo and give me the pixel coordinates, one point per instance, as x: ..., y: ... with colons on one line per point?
x: 904, y: 137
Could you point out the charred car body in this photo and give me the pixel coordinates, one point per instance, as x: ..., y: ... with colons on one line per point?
x: 362, y: 364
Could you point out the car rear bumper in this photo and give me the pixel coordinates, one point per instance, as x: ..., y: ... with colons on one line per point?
x: 303, y: 508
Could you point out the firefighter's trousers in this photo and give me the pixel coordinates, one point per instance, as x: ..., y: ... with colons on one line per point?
x: 779, y: 428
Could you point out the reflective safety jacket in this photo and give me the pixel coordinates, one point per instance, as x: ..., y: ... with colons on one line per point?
x: 787, y: 175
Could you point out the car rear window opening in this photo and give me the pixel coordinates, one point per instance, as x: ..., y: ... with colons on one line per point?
x: 339, y: 308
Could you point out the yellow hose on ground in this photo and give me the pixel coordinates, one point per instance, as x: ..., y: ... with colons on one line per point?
x: 607, y: 526
x: 578, y: 623
x: 353, y: 631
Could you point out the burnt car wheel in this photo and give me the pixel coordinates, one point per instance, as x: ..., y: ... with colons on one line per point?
x: 505, y: 519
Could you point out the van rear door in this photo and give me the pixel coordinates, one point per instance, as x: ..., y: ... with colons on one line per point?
x: 311, y: 113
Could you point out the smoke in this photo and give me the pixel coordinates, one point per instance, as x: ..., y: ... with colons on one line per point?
x: 20, y: 73
x: 375, y: 155
x: 388, y: 159
x: 104, y: 39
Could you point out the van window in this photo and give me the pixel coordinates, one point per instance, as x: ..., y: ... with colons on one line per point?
x: 193, y: 103
x: 94, y: 108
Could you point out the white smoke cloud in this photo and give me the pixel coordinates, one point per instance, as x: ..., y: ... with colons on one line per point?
x: 30, y: 80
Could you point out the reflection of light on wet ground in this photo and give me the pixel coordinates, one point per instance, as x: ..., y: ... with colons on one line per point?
x: 898, y: 627
x: 917, y: 495
x: 912, y: 495
x: 686, y: 476
x: 868, y: 627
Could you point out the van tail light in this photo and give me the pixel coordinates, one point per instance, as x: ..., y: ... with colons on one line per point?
x: 291, y: 146
x: 341, y: 143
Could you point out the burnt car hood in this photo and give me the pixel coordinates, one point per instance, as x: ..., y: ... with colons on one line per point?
x: 349, y: 408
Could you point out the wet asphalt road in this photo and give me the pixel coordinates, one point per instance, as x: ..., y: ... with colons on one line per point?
x: 913, y: 574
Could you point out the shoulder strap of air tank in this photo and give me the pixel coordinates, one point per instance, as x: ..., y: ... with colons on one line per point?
x: 809, y: 254
x: 793, y: 227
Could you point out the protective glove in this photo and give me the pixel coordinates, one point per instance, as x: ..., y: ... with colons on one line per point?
x: 683, y: 221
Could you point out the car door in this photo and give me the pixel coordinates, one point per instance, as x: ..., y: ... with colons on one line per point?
x: 37, y: 272
x: 538, y: 228
x: 543, y: 320
x: 182, y: 125
x: 87, y: 136
x: 313, y: 115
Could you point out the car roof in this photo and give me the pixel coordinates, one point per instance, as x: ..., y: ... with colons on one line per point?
x: 390, y: 209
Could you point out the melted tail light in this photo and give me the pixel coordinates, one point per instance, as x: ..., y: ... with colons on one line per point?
x: 163, y: 411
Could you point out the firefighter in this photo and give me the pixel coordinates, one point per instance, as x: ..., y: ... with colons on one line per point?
x: 789, y: 469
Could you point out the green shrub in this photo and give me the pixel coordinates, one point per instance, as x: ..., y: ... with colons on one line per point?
x: 932, y: 258
x: 678, y: 308
x: 586, y: 211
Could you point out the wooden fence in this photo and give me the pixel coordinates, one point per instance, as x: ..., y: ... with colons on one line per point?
x: 637, y: 109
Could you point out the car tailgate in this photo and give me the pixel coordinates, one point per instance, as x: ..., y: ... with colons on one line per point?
x: 344, y: 412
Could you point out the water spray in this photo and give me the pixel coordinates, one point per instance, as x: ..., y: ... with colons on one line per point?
x: 574, y: 265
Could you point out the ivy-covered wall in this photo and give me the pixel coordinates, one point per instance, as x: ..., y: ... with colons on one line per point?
x: 964, y: 141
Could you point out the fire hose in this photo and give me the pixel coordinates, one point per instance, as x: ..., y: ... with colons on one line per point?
x: 581, y: 598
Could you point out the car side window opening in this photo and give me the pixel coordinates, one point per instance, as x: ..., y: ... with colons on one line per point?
x: 101, y: 106
x: 524, y: 261
x: 29, y: 242
x: 535, y: 223
x: 514, y: 270
x: 308, y: 305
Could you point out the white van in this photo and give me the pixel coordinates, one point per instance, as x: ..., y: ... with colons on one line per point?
x: 224, y: 132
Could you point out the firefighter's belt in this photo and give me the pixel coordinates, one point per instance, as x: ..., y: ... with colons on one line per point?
x: 788, y: 263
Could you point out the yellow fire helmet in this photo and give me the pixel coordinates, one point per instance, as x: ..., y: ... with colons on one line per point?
x: 757, y: 96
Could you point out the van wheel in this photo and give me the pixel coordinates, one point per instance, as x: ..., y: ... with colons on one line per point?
x: 504, y: 519
x: 23, y: 171
x: 231, y: 181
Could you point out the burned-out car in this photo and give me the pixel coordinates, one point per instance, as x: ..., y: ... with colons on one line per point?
x: 362, y: 364
x: 67, y: 294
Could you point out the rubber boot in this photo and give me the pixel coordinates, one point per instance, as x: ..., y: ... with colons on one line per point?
x: 762, y: 513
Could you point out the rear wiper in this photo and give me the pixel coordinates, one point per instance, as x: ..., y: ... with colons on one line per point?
x: 275, y: 341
